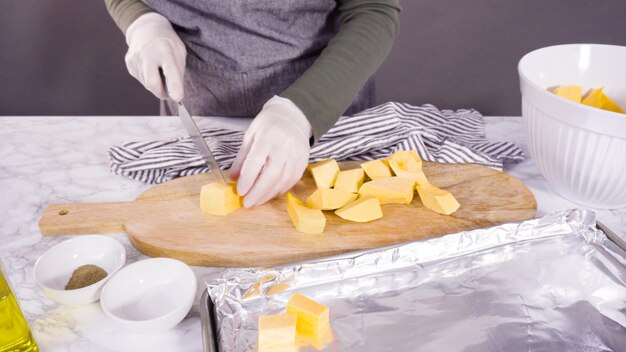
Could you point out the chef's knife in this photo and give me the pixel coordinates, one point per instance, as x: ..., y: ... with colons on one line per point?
x: 196, y: 137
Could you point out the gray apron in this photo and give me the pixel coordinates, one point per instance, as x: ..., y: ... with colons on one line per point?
x: 240, y: 53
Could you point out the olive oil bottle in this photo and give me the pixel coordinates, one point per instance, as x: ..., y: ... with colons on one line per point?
x: 15, y: 336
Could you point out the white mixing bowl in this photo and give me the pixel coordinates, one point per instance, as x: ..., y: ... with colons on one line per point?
x: 580, y: 150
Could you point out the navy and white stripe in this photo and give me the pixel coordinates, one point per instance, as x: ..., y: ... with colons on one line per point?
x: 444, y: 136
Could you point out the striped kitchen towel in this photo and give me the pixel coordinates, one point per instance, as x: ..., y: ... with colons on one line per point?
x: 444, y: 136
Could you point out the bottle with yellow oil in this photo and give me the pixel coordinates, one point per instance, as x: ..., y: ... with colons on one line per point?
x: 15, y: 336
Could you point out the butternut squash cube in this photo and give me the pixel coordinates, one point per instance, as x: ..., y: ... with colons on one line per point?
x: 363, y: 209
x: 597, y: 99
x: 304, y: 219
x: 277, y: 330
x: 408, y: 164
x: 437, y: 199
x: 312, y: 317
x: 324, y: 173
x: 610, y: 105
x: 389, y: 190
x: 593, y: 98
x: 376, y: 169
x: 280, y: 348
x: 217, y: 198
x: 350, y: 180
x: 329, y: 199
x: 573, y: 93
x: 320, y: 341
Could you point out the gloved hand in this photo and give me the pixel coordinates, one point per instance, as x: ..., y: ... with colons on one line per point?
x: 153, y: 44
x: 274, y: 153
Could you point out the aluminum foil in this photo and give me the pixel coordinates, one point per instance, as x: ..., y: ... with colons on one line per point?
x: 550, y: 284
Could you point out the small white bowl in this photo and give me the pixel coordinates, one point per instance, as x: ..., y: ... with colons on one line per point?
x: 54, y: 268
x: 150, y: 295
x: 580, y: 150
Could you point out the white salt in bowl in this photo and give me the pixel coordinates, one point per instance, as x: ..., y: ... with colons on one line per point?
x: 54, y: 268
x: 150, y: 295
x: 579, y: 149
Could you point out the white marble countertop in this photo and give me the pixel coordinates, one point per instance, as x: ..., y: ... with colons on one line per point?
x: 64, y: 159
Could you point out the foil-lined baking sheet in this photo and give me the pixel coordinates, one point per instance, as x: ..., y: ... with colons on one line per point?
x: 550, y: 284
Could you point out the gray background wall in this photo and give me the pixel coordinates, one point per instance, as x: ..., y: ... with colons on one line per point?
x: 66, y: 57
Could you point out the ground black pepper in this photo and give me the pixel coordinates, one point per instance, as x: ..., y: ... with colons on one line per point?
x: 84, y: 276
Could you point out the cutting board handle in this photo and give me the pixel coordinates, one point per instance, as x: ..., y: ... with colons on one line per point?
x: 85, y: 218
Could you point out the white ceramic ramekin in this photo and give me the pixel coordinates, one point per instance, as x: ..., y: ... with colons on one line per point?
x: 580, y: 150
x: 54, y: 268
x: 150, y: 295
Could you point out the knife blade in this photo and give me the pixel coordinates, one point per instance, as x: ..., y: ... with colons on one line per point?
x: 199, y: 142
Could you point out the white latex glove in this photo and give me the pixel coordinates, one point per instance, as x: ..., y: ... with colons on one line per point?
x: 153, y: 44
x: 274, y: 153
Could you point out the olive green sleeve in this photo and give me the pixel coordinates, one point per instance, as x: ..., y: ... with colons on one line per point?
x: 125, y: 12
x: 366, y: 34
x: 326, y: 89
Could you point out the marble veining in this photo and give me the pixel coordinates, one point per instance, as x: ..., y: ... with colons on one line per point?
x: 64, y: 159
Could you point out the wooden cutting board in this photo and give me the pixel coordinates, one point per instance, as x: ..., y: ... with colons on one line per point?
x: 166, y: 221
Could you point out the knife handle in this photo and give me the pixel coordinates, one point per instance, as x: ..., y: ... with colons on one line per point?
x: 164, y: 81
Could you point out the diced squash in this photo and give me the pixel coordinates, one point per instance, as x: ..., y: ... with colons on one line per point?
x: 217, y: 198
x: 573, y: 93
x: 319, y: 342
x: 389, y: 190
x: 329, y: 199
x: 593, y: 98
x: 437, y: 199
x: 376, y: 169
x: 363, y: 209
x: 281, y: 348
x: 324, y: 173
x: 408, y: 164
x: 597, y: 99
x: 304, y: 219
x: 312, y: 317
x: 416, y: 156
x: 610, y: 105
x: 350, y: 180
x: 277, y: 330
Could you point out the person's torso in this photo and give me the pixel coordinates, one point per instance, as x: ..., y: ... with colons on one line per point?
x: 247, y: 35
x: 242, y: 52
